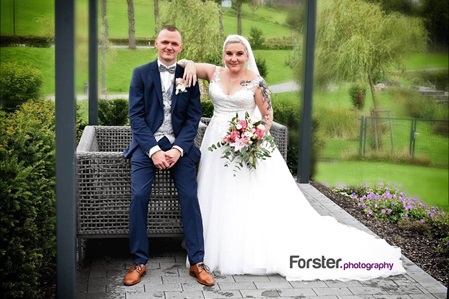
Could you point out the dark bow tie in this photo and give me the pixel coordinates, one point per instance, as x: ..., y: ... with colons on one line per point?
x: 163, y: 68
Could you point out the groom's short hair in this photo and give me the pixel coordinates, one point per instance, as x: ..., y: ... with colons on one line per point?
x: 170, y: 28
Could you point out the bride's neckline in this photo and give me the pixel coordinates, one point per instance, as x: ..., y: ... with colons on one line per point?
x: 245, y: 87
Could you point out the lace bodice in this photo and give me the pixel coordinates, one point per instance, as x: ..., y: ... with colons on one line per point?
x: 241, y: 101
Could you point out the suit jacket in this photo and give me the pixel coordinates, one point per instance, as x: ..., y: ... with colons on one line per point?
x: 146, y: 111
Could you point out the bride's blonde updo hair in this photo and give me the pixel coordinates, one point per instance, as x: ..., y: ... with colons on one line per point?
x: 234, y: 40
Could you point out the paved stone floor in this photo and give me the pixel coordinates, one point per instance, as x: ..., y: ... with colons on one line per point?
x: 107, y: 260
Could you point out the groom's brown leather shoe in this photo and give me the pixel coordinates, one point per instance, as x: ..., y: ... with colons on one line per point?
x: 134, y: 274
x: 202, y: 274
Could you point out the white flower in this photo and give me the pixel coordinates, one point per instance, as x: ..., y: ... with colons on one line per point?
x: 180, y: 85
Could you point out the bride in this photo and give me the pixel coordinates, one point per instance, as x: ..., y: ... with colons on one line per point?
x: 257, y: 221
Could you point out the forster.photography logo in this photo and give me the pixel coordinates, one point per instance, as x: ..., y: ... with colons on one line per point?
x: 322, y: 262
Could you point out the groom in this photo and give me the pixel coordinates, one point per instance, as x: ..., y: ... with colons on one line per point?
x: 164, y: 123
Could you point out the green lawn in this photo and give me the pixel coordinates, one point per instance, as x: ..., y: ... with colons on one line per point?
x: 424, y: 183
x: 270, y: 20
x: 419, y: 61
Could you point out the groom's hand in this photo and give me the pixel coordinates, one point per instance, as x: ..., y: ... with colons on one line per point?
x: 159, y: 160
x: 172, y: 156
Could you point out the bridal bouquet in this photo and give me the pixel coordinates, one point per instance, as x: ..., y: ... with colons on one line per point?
x: 245, y: 141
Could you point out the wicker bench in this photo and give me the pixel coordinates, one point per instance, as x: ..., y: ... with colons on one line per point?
x: 103, y: 178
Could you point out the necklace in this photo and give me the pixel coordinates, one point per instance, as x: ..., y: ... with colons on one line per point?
x: 233, y: 81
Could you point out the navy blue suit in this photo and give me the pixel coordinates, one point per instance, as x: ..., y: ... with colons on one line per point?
x: 146, y: 115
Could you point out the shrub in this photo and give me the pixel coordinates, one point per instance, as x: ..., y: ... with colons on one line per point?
x: 415, y: 104
x: 18, y: 84
x: 287, y: 113
x: 339, y: 122
x: 113, y: 112
x: 27, y: 206
x: 207, y: 108
x: 262, y: 66
x: 256, y: 38
x: 357, y: 92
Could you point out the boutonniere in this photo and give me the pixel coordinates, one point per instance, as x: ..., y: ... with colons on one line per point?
x: 180, y: 85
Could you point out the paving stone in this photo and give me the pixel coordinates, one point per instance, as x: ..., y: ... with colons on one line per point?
x: 243, y: 278
x: 367, y: 290
x: 195, y: 286
x: 178, y: 279
x: 356, y: 297
x: 260, y: 293
x: 338, y: 283
x: 276, y: 278
x: 165, y: 287
x: 223, y: 278
x: 402, y: 290
x: 273, y: 285
x: 237, y: 285
x: 121, y: 288
x: 332, y: 291
x: 172, y: 266
x: 297, y: 292
x: 308, y: 284
x: 184, y: 295
x: 146, y: 295
x: 392, y: 296
x: 106, y: 296
x: 222, y: 294
x: 422, y: 296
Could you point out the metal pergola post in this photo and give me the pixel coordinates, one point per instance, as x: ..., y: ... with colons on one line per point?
x: 93, y: 62
x: 305, y: 127
x: 65, y: 147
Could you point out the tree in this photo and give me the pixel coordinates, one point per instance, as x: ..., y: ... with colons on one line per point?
x: 357, y: 40
x: 238, y: 8
x: 131, y: 27
x: 201, y: 34
x: 436, y: 17
x: 156, y: 18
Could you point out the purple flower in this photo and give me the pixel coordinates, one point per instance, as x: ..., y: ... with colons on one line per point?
x: 383, y: 211
x: 422, y: 220
x: 370, y: 212
x: 389, y: 211
x: 364, y: 206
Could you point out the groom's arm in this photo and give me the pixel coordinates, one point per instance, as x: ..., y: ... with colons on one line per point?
x: 140, y: 129
x: 185, y: 138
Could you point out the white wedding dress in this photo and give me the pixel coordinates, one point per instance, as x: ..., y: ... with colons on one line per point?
x: 255, y: 221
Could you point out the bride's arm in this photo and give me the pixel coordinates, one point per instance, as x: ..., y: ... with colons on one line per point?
x: 263, y: 102
x: 194, y: 71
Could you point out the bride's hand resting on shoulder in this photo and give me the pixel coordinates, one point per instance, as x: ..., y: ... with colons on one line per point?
x: 189, y: 76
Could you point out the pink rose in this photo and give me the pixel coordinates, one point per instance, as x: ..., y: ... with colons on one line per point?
x: 234, y: 135
x: 260, y: 133
x: 243, y: 124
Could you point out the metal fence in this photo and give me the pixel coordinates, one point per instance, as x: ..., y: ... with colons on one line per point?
x: 424, y: 141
